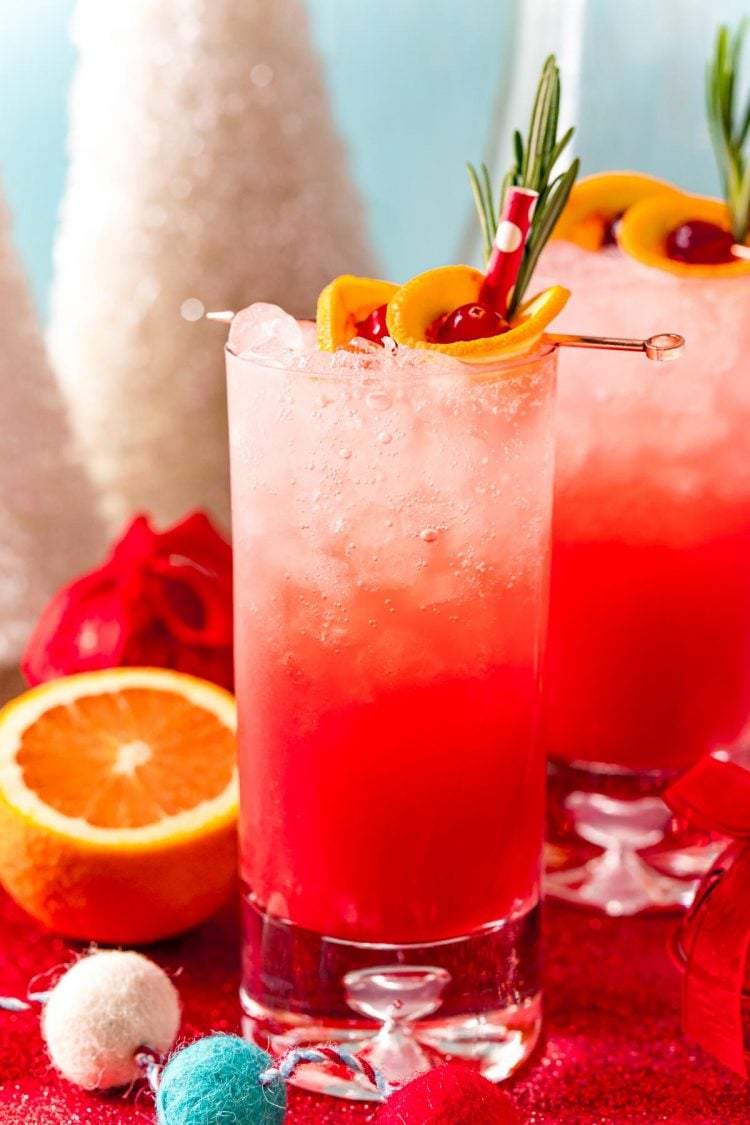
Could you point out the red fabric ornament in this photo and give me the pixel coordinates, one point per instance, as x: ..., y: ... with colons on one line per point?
x: 162, y: 599
x: 451, y: 1094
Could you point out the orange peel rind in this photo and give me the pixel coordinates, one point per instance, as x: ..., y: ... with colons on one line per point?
x: 345, y: 302
x: 596, y: 201
x: 644, y: 228
x: 422, y: 300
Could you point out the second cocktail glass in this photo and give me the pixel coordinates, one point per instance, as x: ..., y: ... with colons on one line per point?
x: 650, y: 599
x: 391, y: 525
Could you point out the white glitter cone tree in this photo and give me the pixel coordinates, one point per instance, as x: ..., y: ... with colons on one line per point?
x: 49, y: 527
x: 205, y: 171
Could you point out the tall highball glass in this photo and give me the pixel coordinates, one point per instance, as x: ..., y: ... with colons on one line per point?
x: 391, y: 527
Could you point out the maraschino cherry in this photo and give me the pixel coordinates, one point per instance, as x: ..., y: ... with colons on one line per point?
x: 374, y: 326
x: 468, y: 322
x: 699, y: 242
x: 609, y: 233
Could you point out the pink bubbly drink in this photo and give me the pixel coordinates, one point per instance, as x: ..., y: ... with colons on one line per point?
x: 650, y: 609
x: 391, y: 520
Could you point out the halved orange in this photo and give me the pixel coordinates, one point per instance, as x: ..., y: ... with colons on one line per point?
x: 345, y: 302
x: 118, y: 803
x: 428, y: 296
x: 644, y: 229
x: 596, y: 201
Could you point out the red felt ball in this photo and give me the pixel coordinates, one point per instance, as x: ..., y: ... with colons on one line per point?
x: 451, y: 1094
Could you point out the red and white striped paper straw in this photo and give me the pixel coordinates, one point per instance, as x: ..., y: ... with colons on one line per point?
x: 507, y: 248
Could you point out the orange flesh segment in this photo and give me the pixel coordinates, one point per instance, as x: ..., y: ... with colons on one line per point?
x: 596, y: 201
x: 345, y: 302
x: 429, y: 296
x: 589, y: 234
x: 117, y: 760
x: 644, y: 229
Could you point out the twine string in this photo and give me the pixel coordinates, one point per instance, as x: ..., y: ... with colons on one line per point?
x: 289, y: 1063
x: 150, y: 1062
x: 151, y: 1065
x: 14, y: 1004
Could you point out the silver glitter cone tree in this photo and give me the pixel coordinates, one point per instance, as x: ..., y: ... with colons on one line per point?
x: 49, y: 529
x: 205, y: 173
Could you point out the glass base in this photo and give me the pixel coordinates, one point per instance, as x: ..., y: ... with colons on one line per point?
x: 406, y: 1008
x: 613, y: 844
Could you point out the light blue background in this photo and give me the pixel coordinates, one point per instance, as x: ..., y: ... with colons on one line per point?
x: 418, y: 88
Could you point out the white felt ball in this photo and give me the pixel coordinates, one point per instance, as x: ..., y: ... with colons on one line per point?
x: 105, y: 1007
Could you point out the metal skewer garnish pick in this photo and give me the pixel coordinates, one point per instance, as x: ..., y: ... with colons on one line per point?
x: 662, y: 347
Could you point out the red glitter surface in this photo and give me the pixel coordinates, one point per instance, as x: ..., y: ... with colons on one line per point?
x: 613, y: 1053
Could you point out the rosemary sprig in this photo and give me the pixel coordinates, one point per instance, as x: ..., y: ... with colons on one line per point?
x: 533, y: 162
x: 729, y: 129
x: 482, y: 192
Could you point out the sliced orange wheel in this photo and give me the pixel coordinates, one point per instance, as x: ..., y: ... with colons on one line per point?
x: 428, y: 296
x: 645, y: 227
x: 597, y: 201
x: 345, y: 303
x: 118, y: 803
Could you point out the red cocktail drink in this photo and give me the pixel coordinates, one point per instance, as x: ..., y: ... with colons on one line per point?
x: 650, y: 601
x: 391, y: 522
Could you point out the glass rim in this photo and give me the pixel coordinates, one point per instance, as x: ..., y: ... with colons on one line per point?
x: 542, y: 352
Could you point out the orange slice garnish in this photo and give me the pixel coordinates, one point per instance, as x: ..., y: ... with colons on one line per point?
x: 346, y: 302
x: 596, y: 201
x: 118, y: 803
x: 645, y: 227
x: 428, y: 296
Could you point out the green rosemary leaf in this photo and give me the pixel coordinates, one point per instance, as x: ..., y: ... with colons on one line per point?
x: 558, y: 197
x: 523, y: 169
x: 743, y: 203
x: 538, y: 127
x: 533, y: 167
x: 488, y: 230
x: 491, y: 212
x: 556, y: 200
x: 549, y: 213
x: 552, y: 121
x: 744, y: 120
x: 715, y: 81
x: 745, y: 125
x: 510, y: 179
x: 733, y: 70
x: 519, y: 152
x: 728, y: 128
x: 549, y: 139
x: 558, y: 149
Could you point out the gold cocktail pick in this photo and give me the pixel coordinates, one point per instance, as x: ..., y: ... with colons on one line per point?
x: 662, y: 347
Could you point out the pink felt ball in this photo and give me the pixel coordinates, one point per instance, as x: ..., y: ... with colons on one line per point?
x: 451, y: 1094
x: 105, y: 1007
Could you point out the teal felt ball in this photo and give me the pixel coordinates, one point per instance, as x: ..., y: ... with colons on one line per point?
x: 216, y: 1080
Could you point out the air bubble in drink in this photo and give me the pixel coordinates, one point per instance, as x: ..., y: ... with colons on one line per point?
x: 378, y: 400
